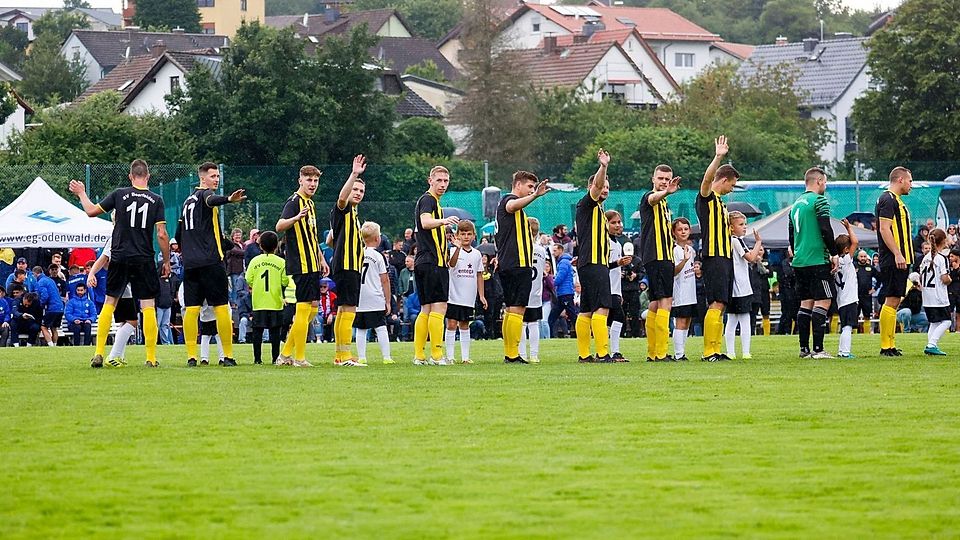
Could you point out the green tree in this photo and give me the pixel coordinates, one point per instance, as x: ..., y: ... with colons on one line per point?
x: 422, y: 136
x: 59, y: 23
x: 8, y: 103
x: 73, y: 4
x: 911, y: 113
x: 790, y: 18
x: 427, y: 69
x: 168, y: 14
x: 47, y: 76
x: 427, y: 18
x: 95, y: 131
x: 13, y: 46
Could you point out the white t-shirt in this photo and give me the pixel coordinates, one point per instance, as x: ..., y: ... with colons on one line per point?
x: 741, y: 269
x: 536, y: 290
x: 128, y: 292
x: 616, y: 274
x: 684, y: 283
x: 932, y: 270
x: 463, y: 277
x: 371, y: 288
x: 846, y: 278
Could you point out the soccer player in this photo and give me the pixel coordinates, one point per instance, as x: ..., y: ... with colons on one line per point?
x: 139, y: 214
x: 347, y: 260
x: 617, y: 262
x: 267, y: 279
x: 375, y: 293
x: 657, y: 243
x: 534, y: 312
x: 684, y: 287
x: 204, y: 275
x: 466, y: 285
x: 814, y: 257
x: 715, y: 249
x: 125, y: 313
x: 738, y: 313
x: 304, y: 263
x: 593, y: 258
x: 847, y: 288
x: 934, y: 278
x: 431, y: 275
x: 515, y: 257
x: 896, y: 254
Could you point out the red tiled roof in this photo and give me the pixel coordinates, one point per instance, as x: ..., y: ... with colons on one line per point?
x: 134, y: 70
x: 740, y: 50
x: 566, y: 66
x: 652, y: 23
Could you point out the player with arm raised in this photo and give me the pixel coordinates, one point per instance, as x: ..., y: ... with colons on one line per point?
x: 348, y: 248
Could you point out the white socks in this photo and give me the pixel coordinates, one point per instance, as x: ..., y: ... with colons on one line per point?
x: 534, y: 329
x: 450, y: 337
x: 679, y: 342
x: 361, y: 340
x: 615, y: 328
x: 383, y: 338
x: 846, y: 340
x: 120, y: 340
x: 936, y: 331
x: 730, y: 333
x: 205, y: 347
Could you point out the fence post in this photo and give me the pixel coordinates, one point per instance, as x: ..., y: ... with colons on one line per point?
x: 257, y: 211
x: 86, y: 169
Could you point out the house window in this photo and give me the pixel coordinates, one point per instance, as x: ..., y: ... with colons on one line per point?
x: 23, y: 27
x: 684, y: 60
x: 205, y: 3
x: 536, y: 25
x: 76, y: 51
x: 209, y: 28
x: 174, y: 83
x: 243, y: 5
x: 615, y: 93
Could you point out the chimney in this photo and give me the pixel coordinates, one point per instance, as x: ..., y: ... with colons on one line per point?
x: 306, y: 19
x: 580, y: 38
x: 331, y: 15
x: 781, y: 40
x: 592, y: 26
x: 549, y: 44
x: 178, y: 30
x: 158, y: 48
x: 809, y: 44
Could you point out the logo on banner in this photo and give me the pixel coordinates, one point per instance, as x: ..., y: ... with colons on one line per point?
x: 44, y: 216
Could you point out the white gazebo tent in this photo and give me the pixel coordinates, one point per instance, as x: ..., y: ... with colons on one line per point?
x: 40, y: 217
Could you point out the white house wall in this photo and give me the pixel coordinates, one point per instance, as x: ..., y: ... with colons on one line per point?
x: 614, y: 66
x: 520, y: 34
x: 667, y: 51
x: 393, y: 28
x: 151, y: 97
x: 73, y: 47
x: 647, y: 65
x: 14, y: 123
x: 442, y: 101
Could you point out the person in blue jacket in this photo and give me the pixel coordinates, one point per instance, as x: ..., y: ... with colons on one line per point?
x: 52, y: 304
x: 26, y: 314
x: 80, y: 314
x: 563, y: 281
x: 5, y: 314
x: 77, y: 277
x: 29, y: 283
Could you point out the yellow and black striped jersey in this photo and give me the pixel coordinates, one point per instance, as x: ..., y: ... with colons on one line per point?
x: 514, y: 245
x: 591, y: 222
x: 432, y: 243
x: 890, y: 208
x: 198, y: 229
x: 655, y: 224
x: 714, y: 226
x: 302, y: 240
x: 347, y: 244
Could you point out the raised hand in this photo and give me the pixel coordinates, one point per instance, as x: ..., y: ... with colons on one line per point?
x: 721, y: 146
x: 846, y: 224
x: 91, y: 281
x: 623, y: 261
x: 303, y: 213
x: 756, y: 235
x: 77, y: 187
x: 542, y: 188
x: 359, y: 164
x: 674, y: 185
x: 238, y: 195
x: 603, y: 157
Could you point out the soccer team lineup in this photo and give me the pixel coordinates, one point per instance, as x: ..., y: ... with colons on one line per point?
x: 708, y: 281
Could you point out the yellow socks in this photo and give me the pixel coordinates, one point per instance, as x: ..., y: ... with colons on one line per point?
x: 436, y: 327
x: 663, y: 332
x: 598, y: 323
x: 421, y: 330
x: 650, y: 325
x: 150, y: 330
x: 888, y: 327
x: 712, y: 331
x: 298, y: 332
x: 766, y: 326
x: 343, y: 334
x: 224, y: 329
x: 191, y: 329
x: 583, y: 336
x: 103, y: 327
x: 512, y: 330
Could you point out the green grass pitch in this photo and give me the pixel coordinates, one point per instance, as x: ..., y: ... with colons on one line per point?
x: 774, y: 447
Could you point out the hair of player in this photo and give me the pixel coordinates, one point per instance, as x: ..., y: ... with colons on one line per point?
x: 736, y: 214
x: 611, y: 213
x: 937, y: 239
x: 524, y: 176
x: 32, y: 297
x: 38, y: 269
x: 663, y: 168
x: 19, y: 272
x: 88, y: 264
x: 466, y: 226
x: 726, y: 172
x: 813, y: 174
x: 54, y: 267
x: 74, y: 267
x: 899, y: 172
x: 269, y: 241
x: 843, y: 242
x: 206, y: 167
x: 139, y: 169
x: 677, y: 222
x: 438, y: 169
x: 310, y: 170
x: 534, y: 225
x: 81, y: 284
x: 369, y: 230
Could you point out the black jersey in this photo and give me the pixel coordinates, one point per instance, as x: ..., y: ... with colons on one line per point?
x: 198, y: 229
x: 890, y: 208
x: 655, y: 226
x: 431, y: 244
x: 302, y: 241
x: 714, y: 226
x: 347, y: 244
x: 514, y: 244
x: 137, y: 213
x: 593, y: 246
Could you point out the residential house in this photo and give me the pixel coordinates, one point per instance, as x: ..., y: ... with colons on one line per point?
x: 829, y: 76
x: 726, y: 52
x: 450, y: 46
x: 315, y: 27
x: 16, y: 122
x: 442, y: 97
x: 220, y: 17
x: 23, y: 17
x: 399, y: 53
x: 101, y: 51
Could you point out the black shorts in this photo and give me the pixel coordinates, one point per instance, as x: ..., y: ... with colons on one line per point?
x: 433, y: 283
x: 893, y: 281
x: 141, y: 274
x: 308, y: 287
x: 814, y: 282
x: 52, y: 319
x: 954, y: 301
x: 370, y: 319
x: 717, y: 279
x: 208, y: 328
x: 289, y: 311
x: 688, y: 311
x: 267, y: 318
x: 516, y: 285
x: 594, y: 287
x: 616, y: 310
x: 934, y: 314
x: 205, y: 284
x: 532, y: 314
x: 659, y: 279
x: 348, y: 288
x: 459, y: 313
x: 849, y: 315
x: 740, y: 304
x: 126, y: 310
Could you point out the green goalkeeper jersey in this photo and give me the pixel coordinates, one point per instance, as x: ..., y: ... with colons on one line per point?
x: 809, y: 247
x: 267, y: 279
